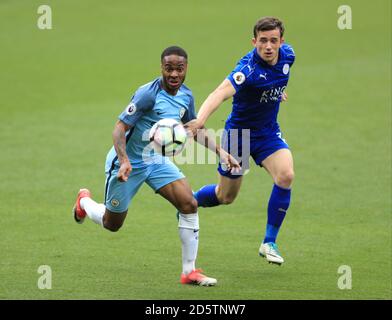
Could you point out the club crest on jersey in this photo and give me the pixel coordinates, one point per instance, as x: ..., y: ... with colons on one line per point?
x: 239, y: 78
x: 130, y: 109
x: 115, y: 203
x: 182, y: 112
x: 286, y: 68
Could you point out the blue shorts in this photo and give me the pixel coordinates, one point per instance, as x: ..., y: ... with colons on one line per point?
x: 118, y: 195
x: 245, y: 143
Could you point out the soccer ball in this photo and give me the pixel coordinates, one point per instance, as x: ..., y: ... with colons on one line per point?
x: 168, y: 137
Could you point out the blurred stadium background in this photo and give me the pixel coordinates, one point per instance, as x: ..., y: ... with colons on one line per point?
x: 62, y: 90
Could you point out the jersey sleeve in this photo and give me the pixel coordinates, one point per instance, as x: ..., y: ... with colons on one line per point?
x: 240, y: 76
x: 190, y: 113
x: 142, y: 101
x: 289, y: 53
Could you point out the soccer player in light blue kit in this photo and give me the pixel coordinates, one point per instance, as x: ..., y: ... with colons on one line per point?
x: 129, y: 163
x: 257, y: 86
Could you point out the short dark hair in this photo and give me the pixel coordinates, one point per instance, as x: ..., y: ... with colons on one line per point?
x: 267, y: 24
x: 174, y: 50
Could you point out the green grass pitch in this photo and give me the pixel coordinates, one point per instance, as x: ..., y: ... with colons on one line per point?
x: 62, y: 90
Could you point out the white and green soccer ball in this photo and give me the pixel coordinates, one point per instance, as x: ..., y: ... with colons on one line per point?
x: 168, y: 137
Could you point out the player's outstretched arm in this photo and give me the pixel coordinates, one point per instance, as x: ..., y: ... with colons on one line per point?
x: 223, y: 92
x: 204, y: 138
x: 119, y: 143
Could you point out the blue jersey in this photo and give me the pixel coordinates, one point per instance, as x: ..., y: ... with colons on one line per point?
x: 148, y: 105
x: 259, y: 87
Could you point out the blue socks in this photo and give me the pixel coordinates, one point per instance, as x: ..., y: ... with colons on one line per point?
x: 206, y: 196
x: 278, y: 204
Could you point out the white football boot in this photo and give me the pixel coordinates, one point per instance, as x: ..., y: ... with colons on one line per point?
x: 270, y: 251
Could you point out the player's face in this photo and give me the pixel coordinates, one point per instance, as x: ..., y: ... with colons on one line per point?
x: 173, y: 72
x: 267, y: 44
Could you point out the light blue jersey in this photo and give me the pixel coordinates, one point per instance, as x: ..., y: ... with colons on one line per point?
x: 149, y: 104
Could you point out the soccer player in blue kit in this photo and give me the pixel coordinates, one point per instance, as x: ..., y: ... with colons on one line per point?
x: 257, y: 86
x: 129, y: 163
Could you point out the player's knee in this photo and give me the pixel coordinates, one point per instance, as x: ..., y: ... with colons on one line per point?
x: 188, y: 206
x: 113, y: 221
x: 112, y: 226
x: 226, y: 198
x: 285, y: 179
